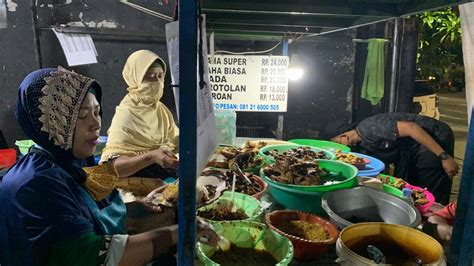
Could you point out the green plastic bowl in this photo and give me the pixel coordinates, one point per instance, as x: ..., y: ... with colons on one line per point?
x: 24, y: 145
x: 286, y: 147
x: 391, y: 190
x: 308, y: 198
x: 247, y: 234
x: 251, y: 206
x: 256, y: 169
x: 322, y: 144
x: 349, y: 173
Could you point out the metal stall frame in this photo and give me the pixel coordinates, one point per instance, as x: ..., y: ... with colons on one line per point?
x: 188, y: 26
x: 462, y: 240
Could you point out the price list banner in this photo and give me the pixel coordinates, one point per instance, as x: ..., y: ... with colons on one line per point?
x: 249, y: 83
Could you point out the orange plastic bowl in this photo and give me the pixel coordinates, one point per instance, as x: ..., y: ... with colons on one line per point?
x: 304, y: 249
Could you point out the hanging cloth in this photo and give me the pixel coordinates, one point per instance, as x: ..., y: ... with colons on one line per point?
x: 374, y: 79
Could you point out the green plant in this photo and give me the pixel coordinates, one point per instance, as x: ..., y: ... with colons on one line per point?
x: 440, y: 49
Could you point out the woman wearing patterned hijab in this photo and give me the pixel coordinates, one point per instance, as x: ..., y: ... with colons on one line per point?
x: 47, y: 216
x: 143, y: 133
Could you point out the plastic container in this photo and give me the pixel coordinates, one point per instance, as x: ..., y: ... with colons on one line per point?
x: 251, y: 206
x: 415, y: 242
x: 406, y: 195
x: 283, y: 148
x: 393, y: 180
x: 392, y: 191
x: 373, y: 168
x: 247, y: 234
x: 308, y: 198
x: 7, y: 157
x: 226, y: 126
x: 304, y: 249
x: 24, y: 145
x: 322, y: 144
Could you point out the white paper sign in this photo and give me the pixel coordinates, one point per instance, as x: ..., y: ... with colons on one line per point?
x: 79, y: 49
x: 207, y: 137
x: 249, y: 83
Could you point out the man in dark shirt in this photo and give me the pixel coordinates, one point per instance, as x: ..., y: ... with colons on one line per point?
x: 421, y: 148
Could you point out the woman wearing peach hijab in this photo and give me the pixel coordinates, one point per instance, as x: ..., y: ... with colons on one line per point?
x: 143, y: 133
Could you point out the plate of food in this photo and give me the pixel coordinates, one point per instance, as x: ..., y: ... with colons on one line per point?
x: 208, y: 189
x: 351, y: 158
x: 247, y: 158
x: 255, y: 188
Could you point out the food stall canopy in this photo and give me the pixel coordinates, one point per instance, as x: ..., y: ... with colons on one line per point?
x: 272, y: 19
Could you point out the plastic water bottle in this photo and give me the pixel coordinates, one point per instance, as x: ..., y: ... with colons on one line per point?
x: 407, y: 196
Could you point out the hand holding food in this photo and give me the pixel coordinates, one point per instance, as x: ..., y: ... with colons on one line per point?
x: 164, y: 157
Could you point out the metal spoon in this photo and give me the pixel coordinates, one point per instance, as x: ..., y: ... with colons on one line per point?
x: 235, y: 168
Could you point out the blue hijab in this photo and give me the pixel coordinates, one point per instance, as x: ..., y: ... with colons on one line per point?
x: 41, y: 197
x: 28, y: 115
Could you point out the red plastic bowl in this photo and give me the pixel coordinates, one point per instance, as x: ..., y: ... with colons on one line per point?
x: 263, y: 187
x: 363, y: 165
x: 429, y: 196
x: 304, y: 249
x: 7, y: 157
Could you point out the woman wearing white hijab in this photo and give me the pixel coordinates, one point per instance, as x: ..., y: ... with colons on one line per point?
x: 143, y: 133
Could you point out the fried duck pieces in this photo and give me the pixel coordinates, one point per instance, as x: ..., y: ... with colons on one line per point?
x: 293, y: 171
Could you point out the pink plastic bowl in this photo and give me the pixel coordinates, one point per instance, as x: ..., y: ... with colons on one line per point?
x: 431, y: 199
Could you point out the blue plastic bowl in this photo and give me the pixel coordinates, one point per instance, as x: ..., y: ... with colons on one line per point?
x: 374, y: 168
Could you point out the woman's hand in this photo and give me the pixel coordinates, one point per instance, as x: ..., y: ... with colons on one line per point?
x: 450, y: 166
x: 205, y: 232
x: 164, y: 157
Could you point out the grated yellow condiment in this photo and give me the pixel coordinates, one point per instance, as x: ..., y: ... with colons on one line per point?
x: 306, y: 230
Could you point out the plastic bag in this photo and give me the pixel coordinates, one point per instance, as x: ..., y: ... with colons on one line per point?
x: 226, y: 126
